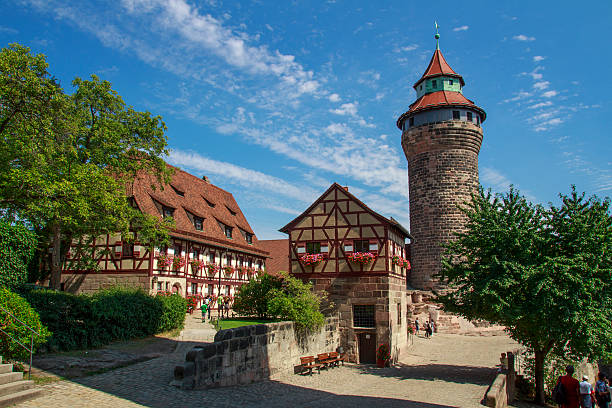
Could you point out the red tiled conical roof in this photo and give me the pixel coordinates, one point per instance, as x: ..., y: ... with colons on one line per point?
x: 438, y: 66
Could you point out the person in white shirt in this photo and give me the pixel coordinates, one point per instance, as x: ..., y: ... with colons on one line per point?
x: 585, y: 393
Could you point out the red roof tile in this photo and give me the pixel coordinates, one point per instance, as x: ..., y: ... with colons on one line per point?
x: 279, y: 255
x: 442, y: 98
x: 438, y: 66
x: 195, y: 190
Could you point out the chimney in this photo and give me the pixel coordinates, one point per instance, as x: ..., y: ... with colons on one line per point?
x: 205, y: 178
x: 345, y: 188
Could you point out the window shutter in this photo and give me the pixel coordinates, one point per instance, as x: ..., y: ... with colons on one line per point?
x: 301, y: 248
x: 373, y: 245
x: 324, y: 247
x: 137, y: 250
x: 118, y: 249
x: 348, y: 246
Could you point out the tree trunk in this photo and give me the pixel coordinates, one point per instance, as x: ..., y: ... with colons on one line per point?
x: 56, y: 257
x: 540, y: 397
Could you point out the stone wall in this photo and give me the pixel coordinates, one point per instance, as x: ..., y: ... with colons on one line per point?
x: 252, y: 353
x: 92, y: 282
x: 385, y: 293
x: 443, y: 172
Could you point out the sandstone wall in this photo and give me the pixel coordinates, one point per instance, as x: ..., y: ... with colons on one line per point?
x: 443, y: 173
x: 93, y: 282
x: 252, y: 353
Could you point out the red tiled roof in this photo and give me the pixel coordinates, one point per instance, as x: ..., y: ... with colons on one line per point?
x: 279, y: 255
x: 441, y: 98
x: 195, y: 189
x: 438, y: 66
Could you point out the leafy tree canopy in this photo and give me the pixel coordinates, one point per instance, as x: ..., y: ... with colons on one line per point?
x: 543, y: 273
x: 17, y: 246
x: 68, y: 160
x: 283, y: 297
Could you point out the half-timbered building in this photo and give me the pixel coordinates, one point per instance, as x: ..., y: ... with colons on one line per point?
x: 213, y: 248
x: 359, y: 258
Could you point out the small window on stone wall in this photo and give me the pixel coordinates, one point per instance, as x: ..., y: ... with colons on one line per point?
x: 364, y: 316
x: 399, y: 313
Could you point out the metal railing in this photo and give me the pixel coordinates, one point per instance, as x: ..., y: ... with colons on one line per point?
x: 32, y: 333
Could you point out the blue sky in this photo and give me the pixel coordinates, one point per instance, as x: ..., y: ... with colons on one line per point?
x: 274, y: 101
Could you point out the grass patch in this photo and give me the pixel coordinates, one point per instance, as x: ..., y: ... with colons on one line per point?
x: 44, y: 379
x: 239, y: 322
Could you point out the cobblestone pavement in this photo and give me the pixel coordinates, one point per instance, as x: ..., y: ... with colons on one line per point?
x: 446, y: 371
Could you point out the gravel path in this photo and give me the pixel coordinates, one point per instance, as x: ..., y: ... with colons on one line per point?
x: 446, y: 371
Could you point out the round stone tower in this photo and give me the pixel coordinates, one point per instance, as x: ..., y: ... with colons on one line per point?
x: 441, y: 138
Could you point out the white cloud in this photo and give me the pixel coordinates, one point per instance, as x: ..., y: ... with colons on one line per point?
x: 550, y: 94
x: 518, y: 96
x: 461, y: 28
x: 541, y: 105
x: 522, y: 37
x: 346, y: 109
x: 246, y: 177
x: 538, y: 58
x: 541, y: 85
x: 406, y: 48
x: 494, y: 178
x: 334, y: 97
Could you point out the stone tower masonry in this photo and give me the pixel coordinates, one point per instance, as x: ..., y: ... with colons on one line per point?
x: 441, y: 138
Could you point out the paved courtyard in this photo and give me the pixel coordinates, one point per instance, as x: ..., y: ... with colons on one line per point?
x: 445, y: 371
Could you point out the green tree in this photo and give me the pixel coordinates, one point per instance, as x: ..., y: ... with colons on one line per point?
x: 543, y: 273
x: 17, y: 246
x: 68, y: 161
x: 283, y: 297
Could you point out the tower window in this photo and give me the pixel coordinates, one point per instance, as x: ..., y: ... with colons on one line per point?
x: 478, y: 119
x: 456, y: 115
x: 411, y: 122
x: 420, y: 87
x: 450, y: 81
x: 469, y: 116
x: 434, y: 84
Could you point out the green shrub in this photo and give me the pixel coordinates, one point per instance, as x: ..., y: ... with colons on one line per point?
x: 18, y: 307
x: 174, y: 308
x: 17, y: 246
x: 90, y: 321
x: 283, y: 297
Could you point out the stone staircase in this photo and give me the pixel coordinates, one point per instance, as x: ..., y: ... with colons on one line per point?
x: 13, y: 388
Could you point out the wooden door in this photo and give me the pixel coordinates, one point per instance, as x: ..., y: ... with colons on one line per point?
x: 367, y: 348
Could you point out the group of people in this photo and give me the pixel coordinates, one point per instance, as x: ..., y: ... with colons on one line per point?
x: 429, y: 328
x: 582, y: 394
x: 223, y: 304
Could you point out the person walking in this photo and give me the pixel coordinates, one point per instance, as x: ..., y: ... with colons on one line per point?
x: 602, y: 393
x: 220, y: 306
x: 586, y: 389
x: 433, y: 327
x: 204, y: 308
x: 416, y: 326
x: 571, y: 387
x: 208, y: 305
x: 427, y: 330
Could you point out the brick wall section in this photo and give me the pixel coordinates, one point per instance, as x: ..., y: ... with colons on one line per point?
x: 252, y: 353
x: 443, y: 173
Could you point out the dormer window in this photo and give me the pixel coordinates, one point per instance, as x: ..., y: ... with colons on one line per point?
x: 198, y: 223
x: 434, y: 83
x: 228, y: 231
x: 230, y: 210
x: 249, y: 238
x: 167, y: 212
x: 211, y: 205
x: 177, y: 191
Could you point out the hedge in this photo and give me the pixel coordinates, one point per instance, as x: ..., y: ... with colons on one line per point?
x: 90, y: 321
x: 18, y: 307
x: 17, y: 246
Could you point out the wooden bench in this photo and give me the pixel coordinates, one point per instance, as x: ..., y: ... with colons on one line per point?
x: 308, y: 364
x: 337, y: 358
x: 326, y: 360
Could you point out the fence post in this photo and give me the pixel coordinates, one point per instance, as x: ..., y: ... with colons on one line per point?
x: 31, y: 350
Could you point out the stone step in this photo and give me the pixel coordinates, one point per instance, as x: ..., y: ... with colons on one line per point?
x: 21, y: 396
x: 10, y: 377
x: 17, y: 386
x: 6, y: 368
